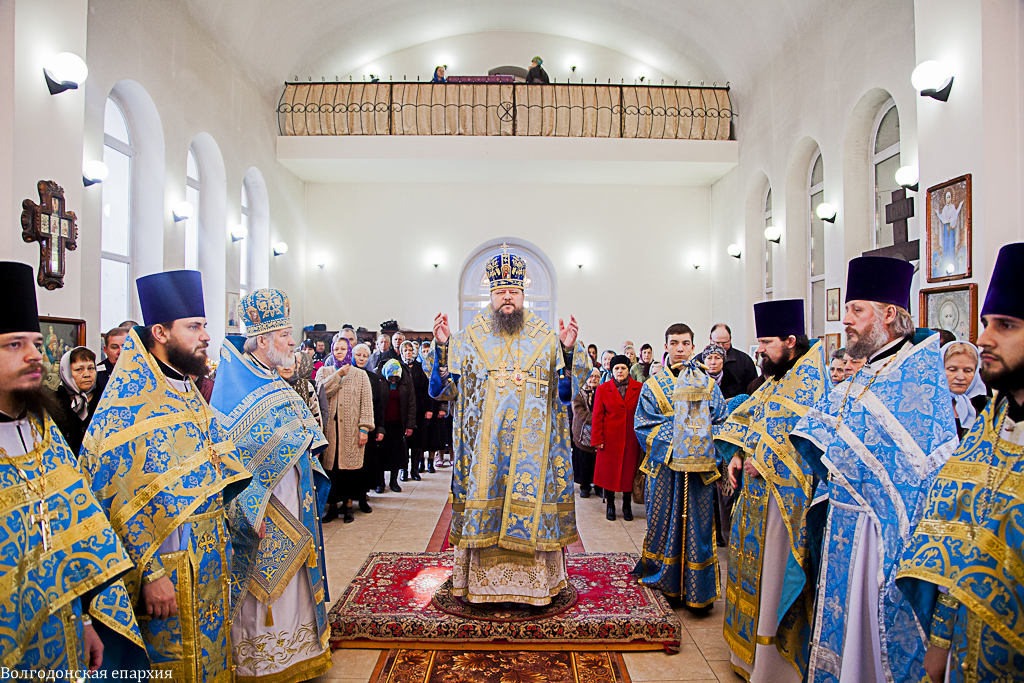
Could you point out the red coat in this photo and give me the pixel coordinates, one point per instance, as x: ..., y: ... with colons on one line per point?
x: 612, y: 427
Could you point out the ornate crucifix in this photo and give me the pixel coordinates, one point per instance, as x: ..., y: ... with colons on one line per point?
x: 897, y: 213
x: 42, y: 516
x: 54, y: 227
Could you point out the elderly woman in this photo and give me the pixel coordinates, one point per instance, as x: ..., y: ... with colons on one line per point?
x: 618, y: 450
x: 641, y: 370
x: 969, y: 392
x: 584, y: 455
x: 837, y: 366
x: 300, y: 378
x: 346, y: 404
x: 399, y: 421
x: 371, y: 472
x: 425, y: 409
x: 75, y: 399
x: 713, y: 356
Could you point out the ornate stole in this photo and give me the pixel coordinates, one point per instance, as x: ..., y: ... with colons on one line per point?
x: 694, y: 395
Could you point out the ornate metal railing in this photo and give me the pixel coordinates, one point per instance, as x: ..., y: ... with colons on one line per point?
x: 556, y: 110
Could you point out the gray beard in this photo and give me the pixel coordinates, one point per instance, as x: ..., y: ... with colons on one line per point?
x: 280, y: 358
x: 873, y: 339
x: 509, y: 324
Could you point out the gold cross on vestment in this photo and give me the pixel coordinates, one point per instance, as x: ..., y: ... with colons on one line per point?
x: 538, y: 380
x: 534, y: 326
x: 215, y: 459
x: 43, y: 516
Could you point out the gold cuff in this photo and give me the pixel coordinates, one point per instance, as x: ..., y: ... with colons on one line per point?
x: 150, y: 578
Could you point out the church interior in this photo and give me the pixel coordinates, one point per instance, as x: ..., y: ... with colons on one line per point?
x: 687, y: 160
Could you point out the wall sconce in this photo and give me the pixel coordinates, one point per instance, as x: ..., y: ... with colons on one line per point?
x: 773, y: 234
x: 94, y: 172
x: 696, y: 261
x: 182, y: 211
x: 734, y: 250
x: 906, y: 176
x: 239, y: 232
x: 321, y: 261
x: 65, y: 71
x: 932, y: 79
x: 280, y: 248
x: 826, y: 212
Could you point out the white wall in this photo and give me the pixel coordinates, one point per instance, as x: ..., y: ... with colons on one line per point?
x: 635, y: 243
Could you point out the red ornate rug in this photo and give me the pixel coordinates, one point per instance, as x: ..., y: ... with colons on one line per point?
x: 445, y: 666
x: 390, y: 601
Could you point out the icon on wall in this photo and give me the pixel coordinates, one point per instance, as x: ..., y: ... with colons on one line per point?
x: 948, y: 243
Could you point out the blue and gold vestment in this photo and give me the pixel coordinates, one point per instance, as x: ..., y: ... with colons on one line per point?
x: 274, y: 431
x: 760, y: 428
x: 969, y: 543
x: 896, y: 430
x: 161, y: 465
x: 674, y: 422
x: 42, y: 590
x: 512, y: 485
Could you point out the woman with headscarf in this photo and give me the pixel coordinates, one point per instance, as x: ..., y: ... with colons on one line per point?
x: 399, y: 422
x: 300, y: 378
x: 372, y: 475
x: 969, y: 392
x: 713, y: 357
x: 346, y: 404
x: 75, y: 399
x: 641, y: 370
x: 425, y: 409
x: 618, y: 450
x: 584, y: 455
x: 537, y: 74
x: 438, y: 75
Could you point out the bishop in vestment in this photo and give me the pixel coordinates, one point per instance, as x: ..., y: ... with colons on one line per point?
x: 679, y: 407
x: 964, y: 569
x: 60, y: 561
x: 279, y: 626
x: 879, y: 438
x: 162, y: 468
x: 512, y: 485
x: 767, y: 627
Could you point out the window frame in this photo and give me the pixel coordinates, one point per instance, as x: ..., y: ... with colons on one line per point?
x: 767, y: 293
x: 130, y: 151
x: 197, y: 185
x: 244, y: 267
x: 877, y: 158
x: 811, y: 215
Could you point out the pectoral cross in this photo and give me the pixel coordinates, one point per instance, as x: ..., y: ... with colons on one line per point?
x: 896, y: 214
x: 537, y: 381
x: 216, y: 461
x: 43, y: 516
x: 517, y: 375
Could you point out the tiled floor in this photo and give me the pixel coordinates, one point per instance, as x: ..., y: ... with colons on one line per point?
x: 404, y: 522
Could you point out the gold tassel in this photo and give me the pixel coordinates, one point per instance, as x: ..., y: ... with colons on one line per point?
x: 270, y: 617
x: 312, y: 555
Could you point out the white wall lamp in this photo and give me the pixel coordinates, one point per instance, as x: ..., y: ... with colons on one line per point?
x: 734, y: 250
x: 773, y: 234
x: 907, y: 176
x: 826, y: 212
x: 239, y: 232
x: 64, y: 71
x: 182, y: 211
x: 932, y: 79
x: 94, y: 172
x: 280, y: 248
x: 696, y: 261
x: 321, y: 261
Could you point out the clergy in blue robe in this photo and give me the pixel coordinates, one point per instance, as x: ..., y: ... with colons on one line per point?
x: 279, y: 628
x: 162, y: 468
x: 879, y: 438
x: 62, y: 602
x: 512, y: 484
x: 766, y: 626
x: 678, y: 409
x: 964, y: 569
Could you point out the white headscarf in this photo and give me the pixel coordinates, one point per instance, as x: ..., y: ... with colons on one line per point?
x: 964, y: 408
x: 79, y: 399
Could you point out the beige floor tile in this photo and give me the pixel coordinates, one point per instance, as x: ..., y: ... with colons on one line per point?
x: 723, y: 670
x: 687, y: 665
x: 711, y: 642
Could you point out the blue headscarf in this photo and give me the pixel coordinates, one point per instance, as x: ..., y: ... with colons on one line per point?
x: 392, y: 372
x: 333, y: 362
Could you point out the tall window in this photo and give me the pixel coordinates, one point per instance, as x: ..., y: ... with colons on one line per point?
x: 192, y: 224
x: 769, y: 250
x: 476, y: 289
x: 816, y: 246
x: 115, y: 223
x: 243, y: 248
x: 886, y: 162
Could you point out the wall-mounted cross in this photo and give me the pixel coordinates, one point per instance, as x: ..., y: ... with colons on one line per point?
x: 53, y: 226
x: 896, y: 214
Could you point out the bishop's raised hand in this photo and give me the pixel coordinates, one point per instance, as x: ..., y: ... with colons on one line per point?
x: 568, y: 334
x: 442, y: 332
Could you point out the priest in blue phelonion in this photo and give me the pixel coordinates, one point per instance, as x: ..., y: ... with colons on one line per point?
x: 768, y: 627
x: 879, y: 438
x: 279, y: 626
x: 678, y: 411
x: 964, y: 570
x: 512, y: 487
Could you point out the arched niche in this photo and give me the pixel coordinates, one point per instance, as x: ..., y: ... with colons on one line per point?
x: 858, y: 173
x: 474, y: 294
x: 213, y: 234
x: 259, y: 228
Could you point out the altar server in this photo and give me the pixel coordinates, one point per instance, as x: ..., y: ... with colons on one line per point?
x: 964, y: 570
x: 60, y: 561
x: 163, y: 469
x: 767, y: 627
x: 279, y: 626
x: 879, y: 439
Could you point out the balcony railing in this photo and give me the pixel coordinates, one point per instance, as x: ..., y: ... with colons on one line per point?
x: 556, y: 110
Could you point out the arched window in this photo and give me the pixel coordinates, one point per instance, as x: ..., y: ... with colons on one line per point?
x: 769, y: 250
x: 475, y: 290
x: 243, y: 247
x: 116, y: 221
x: 816, y: 247
x: 192, y: 187
x: 886, y: 161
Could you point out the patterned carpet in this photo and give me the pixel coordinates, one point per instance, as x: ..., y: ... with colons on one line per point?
x: 445, y: 666
x: 389, y: 601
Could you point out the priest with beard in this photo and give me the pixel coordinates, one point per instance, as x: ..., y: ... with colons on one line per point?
x: 964, y: 570
x: 878, y: 439
x: 279, y: 626
x: 510, y: 378
x: 164, y: 471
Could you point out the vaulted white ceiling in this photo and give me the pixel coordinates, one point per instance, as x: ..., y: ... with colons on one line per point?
x: 731, y: 40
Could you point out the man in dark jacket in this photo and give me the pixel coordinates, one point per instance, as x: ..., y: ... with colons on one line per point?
x: 111, y: 349
x: 739, y: 370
